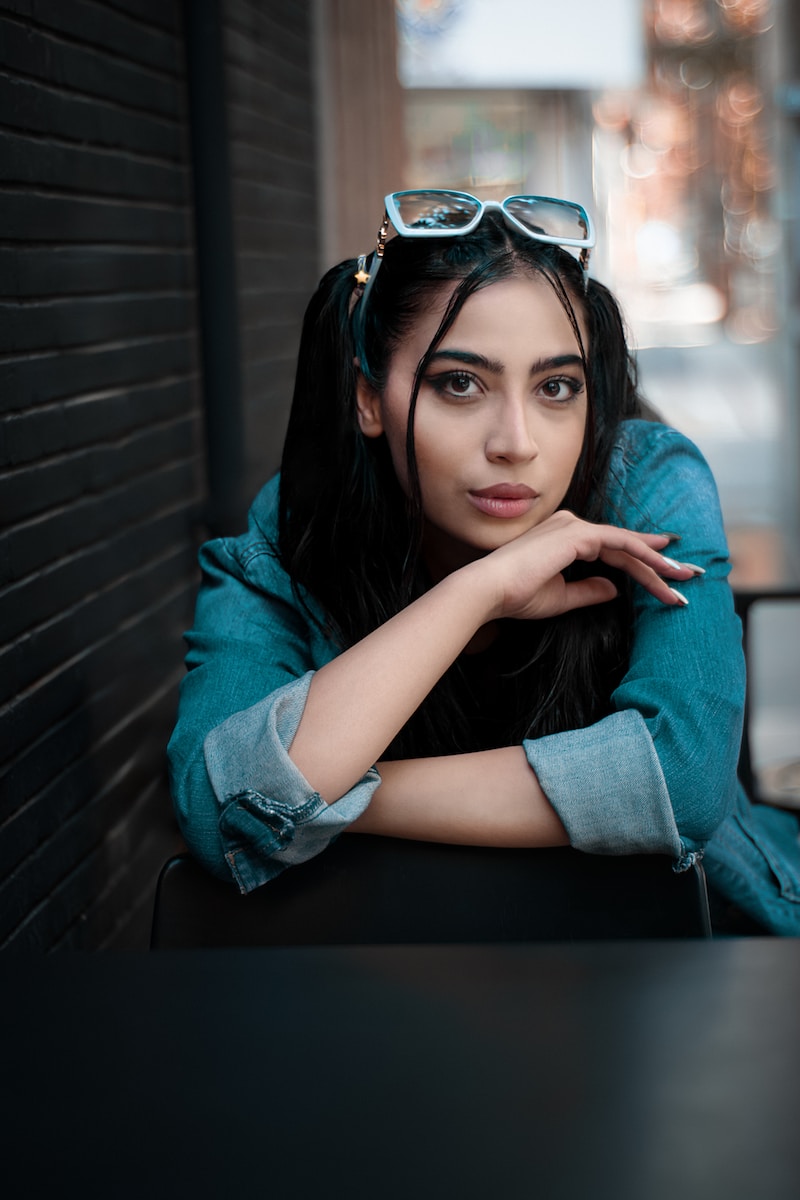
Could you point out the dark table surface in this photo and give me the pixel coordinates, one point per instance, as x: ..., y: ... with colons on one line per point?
x: 628, y: 1070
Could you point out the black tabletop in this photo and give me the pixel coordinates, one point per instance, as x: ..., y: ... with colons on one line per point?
x: 625, y: 1070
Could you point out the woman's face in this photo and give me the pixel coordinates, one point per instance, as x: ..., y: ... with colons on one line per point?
x: 499, y: 421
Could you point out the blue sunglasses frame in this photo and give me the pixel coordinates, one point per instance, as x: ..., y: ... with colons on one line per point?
x: 393, y: 215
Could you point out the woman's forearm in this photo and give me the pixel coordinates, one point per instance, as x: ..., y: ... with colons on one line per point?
x: 489, y: 798
x: 358, y: 702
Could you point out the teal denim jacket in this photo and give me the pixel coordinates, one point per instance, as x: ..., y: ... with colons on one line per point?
x: 658, y: 775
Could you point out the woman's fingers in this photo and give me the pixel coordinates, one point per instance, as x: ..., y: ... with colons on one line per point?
x: 557, y: 596
x: 641, y: 556
x: 658, y: 579
x: 591, y: 542
x: 536, y: 587
x: 582, y: 593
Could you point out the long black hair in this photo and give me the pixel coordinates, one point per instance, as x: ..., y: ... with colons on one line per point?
x: 350, y: 537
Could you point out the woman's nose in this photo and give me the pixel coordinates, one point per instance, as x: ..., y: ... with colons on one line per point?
x: 511, y: 438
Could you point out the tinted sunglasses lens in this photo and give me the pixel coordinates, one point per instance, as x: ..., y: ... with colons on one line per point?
x: 435, y: 210
x: 566, y: 221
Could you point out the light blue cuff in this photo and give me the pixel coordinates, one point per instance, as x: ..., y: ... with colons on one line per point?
x: 606, y: 784
x: 270, y: 816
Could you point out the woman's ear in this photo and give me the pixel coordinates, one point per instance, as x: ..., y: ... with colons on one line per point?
x: 368, y: 403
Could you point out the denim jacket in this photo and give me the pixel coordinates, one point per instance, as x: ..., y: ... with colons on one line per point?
x: 657, y: 775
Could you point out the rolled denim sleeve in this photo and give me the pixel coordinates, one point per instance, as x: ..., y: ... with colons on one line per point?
x: 659, y: 773
x: 282, y: 821
x: 244, y: 809
x: 582, y: 781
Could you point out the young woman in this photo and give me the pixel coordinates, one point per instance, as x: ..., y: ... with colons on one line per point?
x: 452, y: 618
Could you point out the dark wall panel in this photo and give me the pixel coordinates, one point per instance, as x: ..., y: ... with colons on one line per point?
x: 271, y: 122
x: 100, y: 460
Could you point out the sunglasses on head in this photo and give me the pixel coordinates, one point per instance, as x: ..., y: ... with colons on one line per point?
x: 437, y: 212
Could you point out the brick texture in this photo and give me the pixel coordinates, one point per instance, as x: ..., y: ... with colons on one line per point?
x: 102, y: 478
x: 100, y: 461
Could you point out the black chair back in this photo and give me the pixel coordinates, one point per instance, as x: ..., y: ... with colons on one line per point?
x: 367, y: 889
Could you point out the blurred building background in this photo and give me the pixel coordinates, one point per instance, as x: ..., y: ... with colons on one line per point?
x: 677, y: 121
x: 173, y: 179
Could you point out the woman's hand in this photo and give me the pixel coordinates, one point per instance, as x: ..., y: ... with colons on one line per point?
x: 525, y: 580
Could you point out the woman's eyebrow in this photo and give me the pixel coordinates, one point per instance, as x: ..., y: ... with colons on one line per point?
x: 493, y: 365
x: 556, y: 363
x: 470, y: 359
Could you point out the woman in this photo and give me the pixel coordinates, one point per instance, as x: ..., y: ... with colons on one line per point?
x: 452, y: 618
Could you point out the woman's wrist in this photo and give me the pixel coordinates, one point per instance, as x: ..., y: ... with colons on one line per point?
x: 481, y: 592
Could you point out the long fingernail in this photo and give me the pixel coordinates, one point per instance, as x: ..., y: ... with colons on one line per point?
x: 683, y: 566
x: 681, y: 598
x: 673, y: 537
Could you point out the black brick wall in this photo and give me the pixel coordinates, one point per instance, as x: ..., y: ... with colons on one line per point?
x: 101, y: 431
x: 99, y: 457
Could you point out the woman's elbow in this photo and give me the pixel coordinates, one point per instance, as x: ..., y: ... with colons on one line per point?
x: 701, y: 800
x: 197, y: 813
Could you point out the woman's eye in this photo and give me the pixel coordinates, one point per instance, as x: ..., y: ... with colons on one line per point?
x: 456, y: 383
x: 461, y: 384
x: 561, y: 389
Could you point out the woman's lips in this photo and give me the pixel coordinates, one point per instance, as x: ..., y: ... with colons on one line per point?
x: 507, y: 500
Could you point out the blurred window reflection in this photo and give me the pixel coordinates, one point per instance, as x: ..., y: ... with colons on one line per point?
x: 682, y: 169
